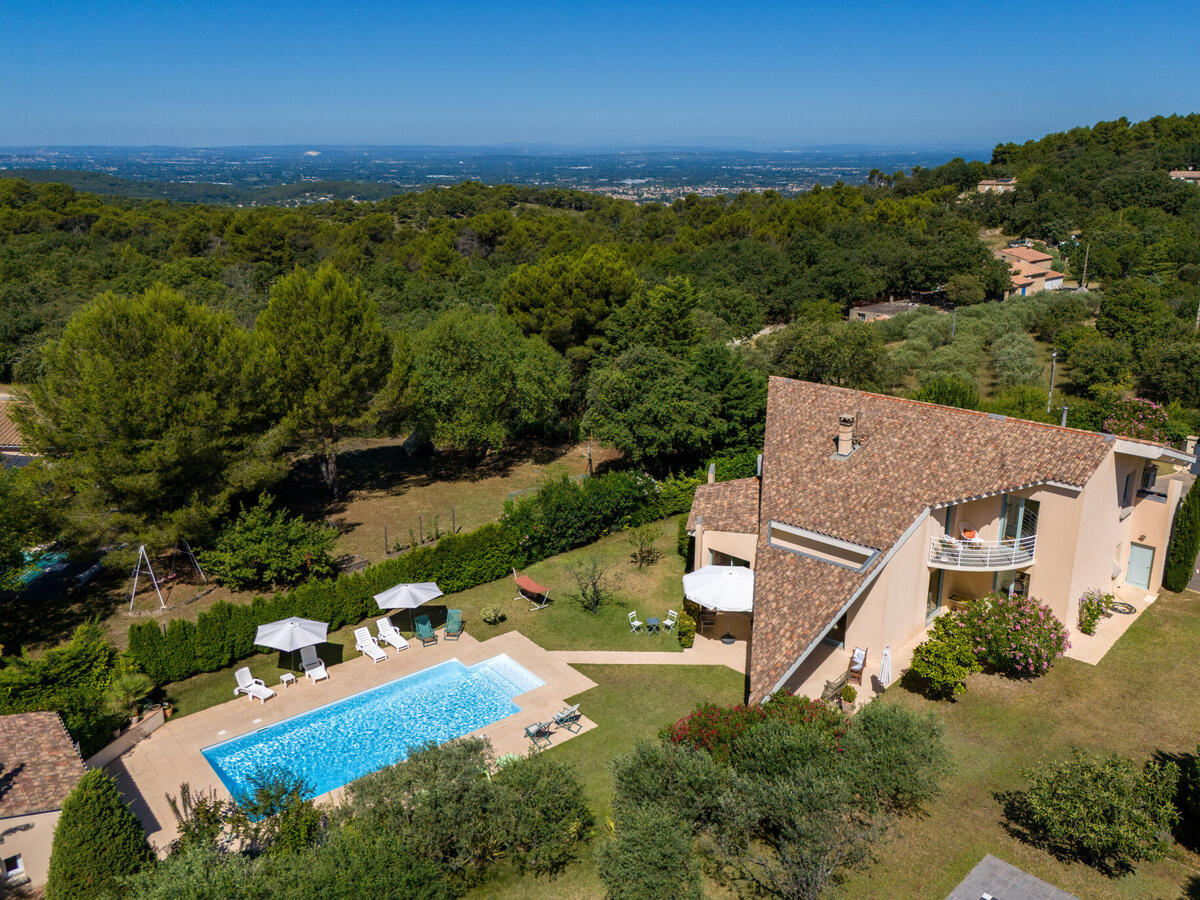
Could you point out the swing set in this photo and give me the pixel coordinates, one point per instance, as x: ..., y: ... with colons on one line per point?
x: 144, y: 568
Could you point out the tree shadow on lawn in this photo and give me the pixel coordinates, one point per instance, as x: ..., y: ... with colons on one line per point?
x: 1187, y: 797
x: 1191, y: 889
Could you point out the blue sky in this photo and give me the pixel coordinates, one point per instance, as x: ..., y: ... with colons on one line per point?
x: 775, y: 74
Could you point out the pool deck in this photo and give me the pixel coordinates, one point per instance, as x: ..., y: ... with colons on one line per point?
x: 171, y: 755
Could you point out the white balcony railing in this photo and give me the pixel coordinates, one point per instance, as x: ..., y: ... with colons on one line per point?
x: 946, y: 552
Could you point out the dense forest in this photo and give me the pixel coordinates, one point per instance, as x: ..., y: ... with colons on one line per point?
x: 175, y: 353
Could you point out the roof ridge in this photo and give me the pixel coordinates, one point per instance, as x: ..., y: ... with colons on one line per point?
x: 958, y: 409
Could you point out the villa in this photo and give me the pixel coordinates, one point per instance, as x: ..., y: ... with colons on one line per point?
x: 871, y: 515
x: 40, y: 767
x: 996, y: 186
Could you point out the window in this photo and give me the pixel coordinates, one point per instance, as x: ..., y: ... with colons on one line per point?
x: 820, y: 546
x: 717, y: 558
x: 14, y: 866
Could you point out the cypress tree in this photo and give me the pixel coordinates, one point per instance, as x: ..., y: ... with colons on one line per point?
x: 1185, y: 543
x: 97, y: 841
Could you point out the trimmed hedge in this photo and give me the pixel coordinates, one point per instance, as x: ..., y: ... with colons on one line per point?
x: 560, y: 516
x: 1185, y: 543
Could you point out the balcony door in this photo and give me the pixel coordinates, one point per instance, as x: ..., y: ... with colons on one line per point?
x: 1019, y: 517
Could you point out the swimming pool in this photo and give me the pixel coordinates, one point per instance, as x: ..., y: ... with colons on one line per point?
x: 334, y: 744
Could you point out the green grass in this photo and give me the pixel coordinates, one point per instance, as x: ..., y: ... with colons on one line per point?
x: 1139, y: 701
x: 629, y: 703
x: 563, y: 625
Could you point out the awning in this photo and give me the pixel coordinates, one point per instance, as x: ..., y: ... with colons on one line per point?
x: 721, y: 588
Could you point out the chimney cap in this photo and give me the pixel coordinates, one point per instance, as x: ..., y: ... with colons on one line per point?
x: 846, y: 419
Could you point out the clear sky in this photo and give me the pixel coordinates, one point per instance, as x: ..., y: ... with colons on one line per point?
x: 780, y: 74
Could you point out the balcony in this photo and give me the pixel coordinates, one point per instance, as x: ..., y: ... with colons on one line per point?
x: 946, y: 552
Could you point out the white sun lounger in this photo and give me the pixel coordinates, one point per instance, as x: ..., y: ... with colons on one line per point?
x: 311, y: 664
x: 252, y: 687
x: 368, y: 645
x: 389, y: 634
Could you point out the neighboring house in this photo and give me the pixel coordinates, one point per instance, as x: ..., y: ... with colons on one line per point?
x: 874, y: 312
x: 996, y: 185
x: 1030, y: 271
x: 873, y: 512
x: 12, y: 446
x: 39, y: 766
x: 1187, y: 175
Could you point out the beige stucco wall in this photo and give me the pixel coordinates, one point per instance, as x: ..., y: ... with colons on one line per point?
x: 32, y: 837
x: 733, y: 543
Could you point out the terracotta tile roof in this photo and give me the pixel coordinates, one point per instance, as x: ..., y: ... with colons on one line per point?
x: 1020, y: 280
x: 10, y: 438
x: 1026, y: 254
x: 726, y: 506
x: 1052, y: 274
x: 38, y: 763
x: 1188, y: 174
x: 911, y: 456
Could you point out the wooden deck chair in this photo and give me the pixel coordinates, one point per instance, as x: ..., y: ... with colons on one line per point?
x: 858, y: 665
x: 528, y: 589
x: 833, y: 689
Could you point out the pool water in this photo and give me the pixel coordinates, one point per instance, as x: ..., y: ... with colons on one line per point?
x: 37, y: 565
x: 334, y: 744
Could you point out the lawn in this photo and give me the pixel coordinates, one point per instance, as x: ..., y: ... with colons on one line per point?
x: 629, y: 703
x: 563, y: 625
x: 1139, y: 701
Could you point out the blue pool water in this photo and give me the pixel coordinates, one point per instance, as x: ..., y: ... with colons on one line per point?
x: 333, y: 745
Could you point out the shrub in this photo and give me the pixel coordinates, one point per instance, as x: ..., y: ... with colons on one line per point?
x: 650, y: 857
x: 715, y: 728
x: 97, y: 842
x: 685, y: 627
x: 492, y: 615
x: 950, y: 390
x: 262, y: 548
x: 941, y: 664
x: 896, y: 756
x: 1015, y: 635
x: 1185, y: 543
x: 1106, y: 812
x: 1092, y: 606
x: 643, y: 540
x: 683, y: 541
x: 543, y: 811
x: 849, y: 694
x: 1137, y: 418
x: 686, y: 781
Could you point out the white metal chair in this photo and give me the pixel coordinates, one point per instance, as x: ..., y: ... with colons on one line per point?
x: 312, y: 665
x: 635, y: 624
x: 669, y: 623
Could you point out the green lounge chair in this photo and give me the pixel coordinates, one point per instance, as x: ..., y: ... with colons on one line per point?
x: 425, y: 631
x: 454, y: 626
x: 539, y: 734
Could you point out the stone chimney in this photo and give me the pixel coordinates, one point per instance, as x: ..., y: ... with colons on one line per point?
x: 845, y: 437
x: 712, y: 473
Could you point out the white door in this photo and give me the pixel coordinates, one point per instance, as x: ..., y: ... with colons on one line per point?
x: 1141, y: 560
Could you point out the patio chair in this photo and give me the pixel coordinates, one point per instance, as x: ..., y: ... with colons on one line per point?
x: 858, y: 665
x: 368, y: 645
x: 568, y: 719
x: 669, y: 623
x: 528, y: 589
x: 539, y: 734
x: 708, y: 619
x: 312, y: 665
x: 454, y: 625
x: 389, y: 635
x: 635, y: 624
x: 252, y: 687
x: 833, y: 689
x: 425, y: 631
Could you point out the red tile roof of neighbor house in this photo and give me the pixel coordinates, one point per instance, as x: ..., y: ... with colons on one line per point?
x: 38, y: 764
x: 910, y: 456
x: 726, y: 506
x: 1027, y: 254
x: 10, y: 438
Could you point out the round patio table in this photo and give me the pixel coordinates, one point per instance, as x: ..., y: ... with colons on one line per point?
x: 652, y: 624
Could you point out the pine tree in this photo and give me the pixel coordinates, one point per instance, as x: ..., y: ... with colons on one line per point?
x: 97, y: 841
x: 1185, y: 543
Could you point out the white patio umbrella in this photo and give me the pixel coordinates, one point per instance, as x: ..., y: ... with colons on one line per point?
x: 885, y: 667
x: 291, y: 634
x: 721, y: 588
x: 408, y: 596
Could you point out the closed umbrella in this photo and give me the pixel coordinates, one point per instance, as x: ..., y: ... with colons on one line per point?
x: 408, y: 596
x: 885, y: 667
x: 291, y: 634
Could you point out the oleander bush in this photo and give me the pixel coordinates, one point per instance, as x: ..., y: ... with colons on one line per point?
x: 715, y: 728
x: 1092, y: 607
x: 1015, y: 635
x: 1105, y: 811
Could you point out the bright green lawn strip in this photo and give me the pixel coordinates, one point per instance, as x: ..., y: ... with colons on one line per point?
x: 563, y: 625
x: 1139, y: 700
